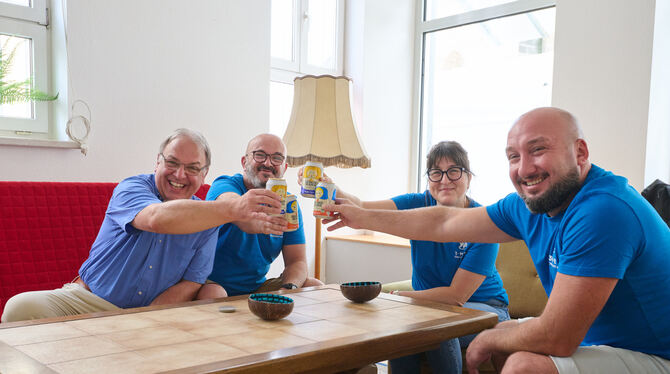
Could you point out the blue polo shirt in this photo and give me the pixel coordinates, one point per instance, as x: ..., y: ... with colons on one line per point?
x: 435, y: 264
x: 609, y: 230
x: 242, y: 260
x: 130, y: 267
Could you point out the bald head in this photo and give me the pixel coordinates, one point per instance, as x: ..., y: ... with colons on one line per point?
x: 554, y: 120
x: 266, y: 140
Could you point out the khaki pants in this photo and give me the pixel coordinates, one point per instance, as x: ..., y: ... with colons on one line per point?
x: 71, y: 299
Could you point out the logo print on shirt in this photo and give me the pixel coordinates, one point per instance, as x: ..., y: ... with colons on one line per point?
x: 552, y: 260
x: 462, y: 248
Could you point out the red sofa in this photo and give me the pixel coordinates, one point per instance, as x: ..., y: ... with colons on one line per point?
x: 46, y: 232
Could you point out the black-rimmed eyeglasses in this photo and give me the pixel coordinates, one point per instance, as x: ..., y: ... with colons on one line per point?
x: 454, y: 173
x: 173, y: 165
x: 276, y: 159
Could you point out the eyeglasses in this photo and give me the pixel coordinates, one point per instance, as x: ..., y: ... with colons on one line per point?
x: 276, y: 159
x: 454, y: 173
x: 191, y: 170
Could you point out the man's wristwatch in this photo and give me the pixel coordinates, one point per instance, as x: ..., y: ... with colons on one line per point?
x: 289, y: 286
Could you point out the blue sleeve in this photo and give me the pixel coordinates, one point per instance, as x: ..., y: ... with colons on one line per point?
x: 203, y: 261
x: 412, y: 200
x: 129, y: 198
x: 481, y: 258
x: 505, y: 212
x: 599, y: 238
x: 225, y: 184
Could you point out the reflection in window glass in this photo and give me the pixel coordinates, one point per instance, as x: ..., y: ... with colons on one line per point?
x: 17, y: 2
x: 282, y: 29
x: 478, y: 79
x: 19, y: 70
x: 445, y: 8
x: 322, y: 37
x: 281, y: 103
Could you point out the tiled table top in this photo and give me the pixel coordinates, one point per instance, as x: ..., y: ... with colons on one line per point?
x: 196, y: 337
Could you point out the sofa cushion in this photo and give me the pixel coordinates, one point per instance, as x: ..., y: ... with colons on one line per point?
x: 46, y: 232
x: 526, y: 294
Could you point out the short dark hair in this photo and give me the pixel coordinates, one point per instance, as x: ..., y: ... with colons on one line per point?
x: 448, y: 149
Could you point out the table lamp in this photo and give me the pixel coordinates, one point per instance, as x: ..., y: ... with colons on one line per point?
x: 321, y: 129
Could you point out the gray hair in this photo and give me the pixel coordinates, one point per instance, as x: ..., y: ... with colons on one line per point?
x: 448, y: 149
x: 194, y: 135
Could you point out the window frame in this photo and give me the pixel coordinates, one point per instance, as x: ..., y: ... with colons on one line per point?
x: 30, y: 22
x: 284, y: 71
x: 424, y: 27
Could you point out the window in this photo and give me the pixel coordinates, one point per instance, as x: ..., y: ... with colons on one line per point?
x: 481, y: 70
x: 307, y: 38
x: 23, y: 31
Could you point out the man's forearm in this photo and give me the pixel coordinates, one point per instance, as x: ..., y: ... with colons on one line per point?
x: 180, y: 292
x: 418, y: 224
x: 529, y: 336
x: 184, y: 216
x: 295, y: 273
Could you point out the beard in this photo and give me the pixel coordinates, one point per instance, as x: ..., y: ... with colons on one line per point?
x: 254, y: 178
x: 555, y: 196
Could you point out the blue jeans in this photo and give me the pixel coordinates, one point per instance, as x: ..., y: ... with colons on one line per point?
x: 447, y: 357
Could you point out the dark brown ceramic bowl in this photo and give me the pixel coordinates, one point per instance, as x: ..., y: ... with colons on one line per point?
x: 360, y: 292
x: 270, y: 307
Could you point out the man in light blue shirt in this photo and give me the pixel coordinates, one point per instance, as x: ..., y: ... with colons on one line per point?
x: 157, y: 241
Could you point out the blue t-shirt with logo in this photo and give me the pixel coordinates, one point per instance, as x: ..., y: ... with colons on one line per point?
x: 608, y: 230
x: 242, y: 260
x: 434, y: 264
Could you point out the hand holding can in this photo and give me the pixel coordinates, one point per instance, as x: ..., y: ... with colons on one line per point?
x: 324, y: 194
x: 278, y: 186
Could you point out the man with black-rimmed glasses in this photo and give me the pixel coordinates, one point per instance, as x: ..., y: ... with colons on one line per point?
x: 244, y: 253
x: 156, y: 243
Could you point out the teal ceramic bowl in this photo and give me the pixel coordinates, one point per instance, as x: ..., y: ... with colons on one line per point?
x: 360, y: 292
x: 269, y: 306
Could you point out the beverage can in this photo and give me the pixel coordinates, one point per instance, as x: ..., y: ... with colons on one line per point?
x: 278, y: 186
x: 311, y: 174
x: 324, y: 194
x: 292, y: 213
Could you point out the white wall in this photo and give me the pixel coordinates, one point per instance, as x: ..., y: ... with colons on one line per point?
x: 602, y: 74
x: 658, y: 133
x: 379, y: 60
x: 148, y: 67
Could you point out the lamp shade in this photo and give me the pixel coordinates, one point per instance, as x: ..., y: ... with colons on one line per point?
x: 321, y: 128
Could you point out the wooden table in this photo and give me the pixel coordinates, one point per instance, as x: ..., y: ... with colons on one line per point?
x: 324, y: 333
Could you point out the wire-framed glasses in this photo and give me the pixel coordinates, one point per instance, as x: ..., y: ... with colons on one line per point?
x: 276, y: 159
x: 454, y: 173
x: 190, y: 169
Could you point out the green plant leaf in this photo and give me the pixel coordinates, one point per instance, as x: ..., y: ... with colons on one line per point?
x: 17, y: 91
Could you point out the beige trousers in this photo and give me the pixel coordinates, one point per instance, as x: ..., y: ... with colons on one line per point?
x: 71, y: 299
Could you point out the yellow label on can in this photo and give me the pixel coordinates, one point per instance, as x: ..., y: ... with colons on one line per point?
x: 311, y: 172
x: 279, y: 190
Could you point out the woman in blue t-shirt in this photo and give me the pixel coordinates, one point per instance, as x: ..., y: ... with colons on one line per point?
x: 461, y: 274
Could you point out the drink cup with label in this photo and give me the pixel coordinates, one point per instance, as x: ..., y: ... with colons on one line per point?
x: 311, y: 174
x: 324, y: 194
x: 278, y: 186
x: 292, y: 213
